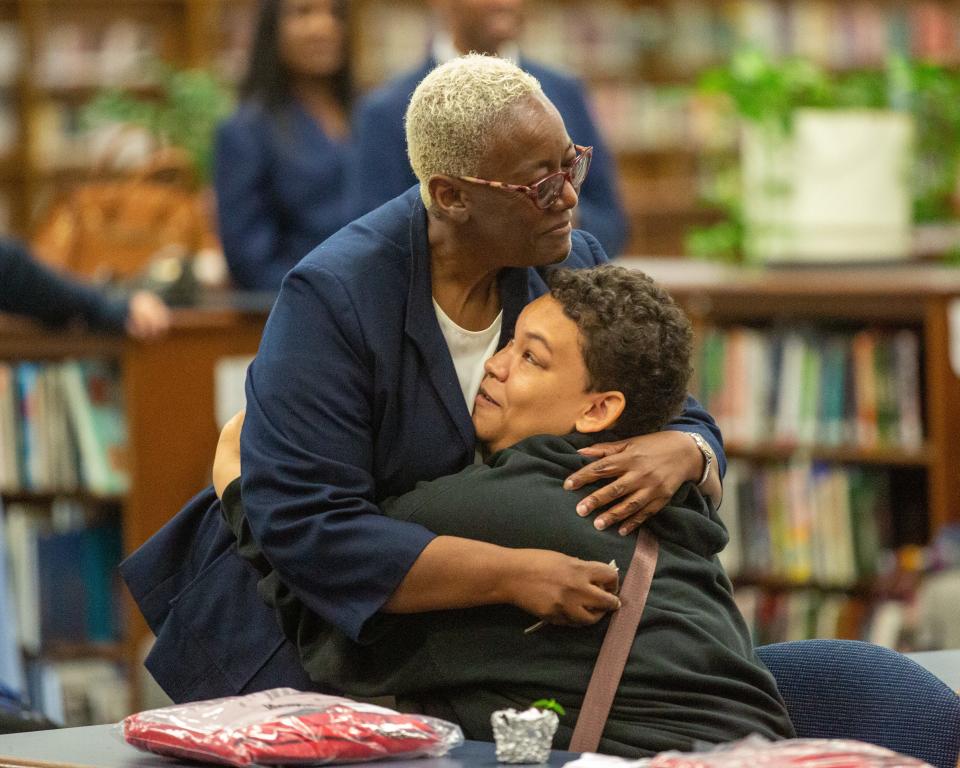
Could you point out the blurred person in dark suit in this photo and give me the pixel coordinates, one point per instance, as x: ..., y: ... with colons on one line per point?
x: 29, y: 288
x: 281, y: 158
x: 491, y: 27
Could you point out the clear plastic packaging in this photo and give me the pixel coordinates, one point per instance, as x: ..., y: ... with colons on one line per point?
x: 757, y: 752
x: 287, y: 727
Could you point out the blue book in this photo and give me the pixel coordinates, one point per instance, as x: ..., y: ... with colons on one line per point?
x: 833, y: 391
x: 63, y: 593
x: 29, y: 441
x: 11, y: 663
x: 100, y: 556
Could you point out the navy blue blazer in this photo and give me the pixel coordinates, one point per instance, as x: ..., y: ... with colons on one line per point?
x: 353, y: 397
x: 281, y: 186
x: 28, y: 287
x: 383, y: 170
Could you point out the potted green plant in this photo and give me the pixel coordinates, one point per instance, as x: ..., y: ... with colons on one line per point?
x: 180, y: 113
x: 526, y: 736
x: 831, y: 166
x: 549, y: 704
x: 183, y: 113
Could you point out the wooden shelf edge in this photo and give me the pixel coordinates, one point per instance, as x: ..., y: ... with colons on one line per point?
x: 22, y: 339
x: 841, y: 455
x: 872, y: 589
x: 46, y: 497
x: 110, y: 651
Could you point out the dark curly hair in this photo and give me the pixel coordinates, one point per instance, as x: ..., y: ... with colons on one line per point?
x: 634, y: 337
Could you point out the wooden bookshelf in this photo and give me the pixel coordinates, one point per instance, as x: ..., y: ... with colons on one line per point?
x: 634, y: 55
x: 889, y: 457
x: 48, y: 496
x: 630, y: 54
x: 920, y: 297
x: 168, y: 393
x: 922, y: 485
x: 71, y: 651
x: 867, y: 590
x: 65, y: 59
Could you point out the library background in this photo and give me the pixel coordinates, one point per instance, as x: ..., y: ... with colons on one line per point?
x: 828, y: 329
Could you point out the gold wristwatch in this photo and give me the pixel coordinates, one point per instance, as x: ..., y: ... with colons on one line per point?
x: 708, y: 458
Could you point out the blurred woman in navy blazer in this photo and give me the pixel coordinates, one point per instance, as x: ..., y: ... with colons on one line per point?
x: 280, y: 169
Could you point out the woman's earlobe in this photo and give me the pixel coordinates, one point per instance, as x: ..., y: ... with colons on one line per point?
x: 604, y: 411
x: 447, y: 197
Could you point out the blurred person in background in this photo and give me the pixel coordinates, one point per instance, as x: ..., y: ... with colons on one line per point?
x: 491, y: 27
x: 280, y: 159
x: 29, y: 288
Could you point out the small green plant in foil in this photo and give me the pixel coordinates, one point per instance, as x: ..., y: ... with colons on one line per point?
x: 550, y: 704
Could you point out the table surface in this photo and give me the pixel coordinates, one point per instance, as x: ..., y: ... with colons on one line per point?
x: 103, y: 747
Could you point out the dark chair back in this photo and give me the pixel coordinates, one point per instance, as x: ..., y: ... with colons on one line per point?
x: 846, y: 689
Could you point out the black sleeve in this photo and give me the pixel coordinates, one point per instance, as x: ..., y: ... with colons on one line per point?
x: 520, y: 503
x: 231, y: 508
x: 29, y: 288
x: 231, y: 505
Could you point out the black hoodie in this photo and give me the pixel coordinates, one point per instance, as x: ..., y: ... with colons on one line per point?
x: 692, y: 675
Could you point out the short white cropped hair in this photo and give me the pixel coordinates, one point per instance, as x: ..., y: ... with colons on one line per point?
x: 453, y: 112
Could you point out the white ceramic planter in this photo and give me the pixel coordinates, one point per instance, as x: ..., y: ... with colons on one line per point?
x: 836, y: 189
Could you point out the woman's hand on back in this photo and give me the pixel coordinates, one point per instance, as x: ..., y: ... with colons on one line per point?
x: 644, y: 473
x: 453, y: 572
x: 561, y: 589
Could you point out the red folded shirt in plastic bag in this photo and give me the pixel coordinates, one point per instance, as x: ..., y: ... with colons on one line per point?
x: 287, y: 727
x: 757, y: 752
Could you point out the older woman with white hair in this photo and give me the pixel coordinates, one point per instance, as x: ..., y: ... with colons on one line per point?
x: 364, y: 384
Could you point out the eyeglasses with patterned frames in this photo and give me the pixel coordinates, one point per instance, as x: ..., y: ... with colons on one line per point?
x: 545, y: 192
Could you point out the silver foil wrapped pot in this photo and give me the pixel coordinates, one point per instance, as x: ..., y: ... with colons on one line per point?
x: 524, y: 737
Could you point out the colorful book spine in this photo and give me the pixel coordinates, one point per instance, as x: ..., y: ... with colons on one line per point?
x: 859, y: 390
x: 807, y: 522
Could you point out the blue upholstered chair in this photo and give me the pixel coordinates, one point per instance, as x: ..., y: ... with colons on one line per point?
x: 853, y: 690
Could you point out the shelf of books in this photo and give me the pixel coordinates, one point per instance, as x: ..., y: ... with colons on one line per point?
x: 835, y: 391
x: 225, y: 28
x: 639, y: 59
x: 63, y: 476
x: 102, y: 440
x: 55, y: 55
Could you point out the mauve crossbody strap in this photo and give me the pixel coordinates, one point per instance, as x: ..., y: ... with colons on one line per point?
x: 617, y: 643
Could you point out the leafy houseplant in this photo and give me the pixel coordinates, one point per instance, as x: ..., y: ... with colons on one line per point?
x: 184, y: 114
x: 768, y: 96
x: 932, y: 94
